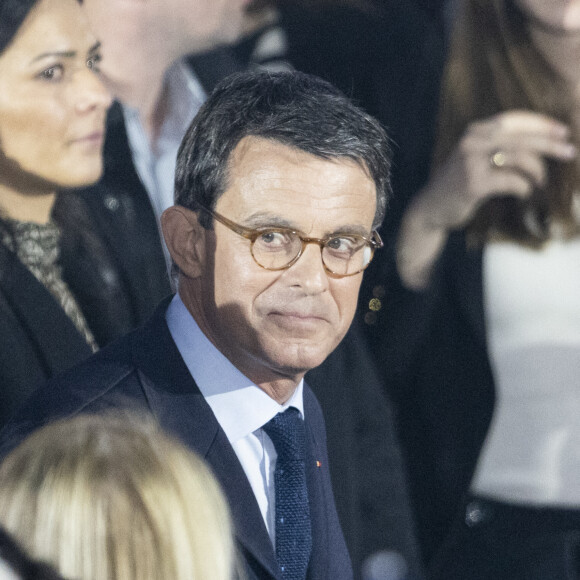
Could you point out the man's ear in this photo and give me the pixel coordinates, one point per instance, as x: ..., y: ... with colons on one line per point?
x: 185, y: 239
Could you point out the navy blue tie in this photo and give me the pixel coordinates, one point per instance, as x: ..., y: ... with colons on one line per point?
x: 293, y: 530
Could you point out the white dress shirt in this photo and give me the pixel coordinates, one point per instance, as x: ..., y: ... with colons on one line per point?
x: 241, y: 408
x: 155, y: 163
x: 532, y: 307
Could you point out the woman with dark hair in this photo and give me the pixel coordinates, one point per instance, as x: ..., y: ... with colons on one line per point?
x: 52, y: 115
x: 492, y: 242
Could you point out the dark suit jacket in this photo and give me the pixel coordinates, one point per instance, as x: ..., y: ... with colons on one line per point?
x: 366, y: 463
x: 367, y: 468
x: 145, y: 370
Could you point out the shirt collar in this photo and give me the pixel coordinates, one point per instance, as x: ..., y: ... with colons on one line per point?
x: 186, y: 95
x: 239, y: 405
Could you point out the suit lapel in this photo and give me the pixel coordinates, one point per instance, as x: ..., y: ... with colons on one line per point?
x: 180, y: 408
x: 316, y: 495
x: 60, y: 345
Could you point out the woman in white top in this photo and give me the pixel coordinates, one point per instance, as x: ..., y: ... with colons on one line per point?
x: 493, y: 242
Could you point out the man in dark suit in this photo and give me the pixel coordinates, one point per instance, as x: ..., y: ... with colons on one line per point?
x: 281, y: 183
x: 365, y: 460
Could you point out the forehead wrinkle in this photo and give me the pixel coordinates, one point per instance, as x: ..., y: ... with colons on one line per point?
x: 250, y: 161
x: 316, y: 209
x: 280, y: 186
x: 320, y: 185
x: 322, y: 195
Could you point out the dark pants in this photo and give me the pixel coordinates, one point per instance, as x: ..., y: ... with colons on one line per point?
x: 499, y: 541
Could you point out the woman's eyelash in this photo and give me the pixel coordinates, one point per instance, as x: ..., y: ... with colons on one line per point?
x: 51, y: 73
x: 94, y: 60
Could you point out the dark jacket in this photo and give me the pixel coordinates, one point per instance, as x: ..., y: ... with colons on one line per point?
x: 120, y: 211
x: 440, y: 368
x: 145, y: 370
x: 37, y: 340
x: 366, y: 464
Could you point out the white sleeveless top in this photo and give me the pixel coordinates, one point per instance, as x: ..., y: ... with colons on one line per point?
x: 532, y: 308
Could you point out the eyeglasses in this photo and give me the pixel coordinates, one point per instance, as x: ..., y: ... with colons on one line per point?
x: 278, y: 248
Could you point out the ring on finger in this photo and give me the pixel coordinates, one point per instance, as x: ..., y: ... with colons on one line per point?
x: 497, y: 158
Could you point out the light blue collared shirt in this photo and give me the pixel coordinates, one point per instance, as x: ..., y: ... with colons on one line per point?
x: 155, y: 163
x: 240, y: 406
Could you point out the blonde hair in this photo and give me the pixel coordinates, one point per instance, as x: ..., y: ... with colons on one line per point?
x: 113, y: 498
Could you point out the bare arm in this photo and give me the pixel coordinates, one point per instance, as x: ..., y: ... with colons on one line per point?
x: 468, y: 178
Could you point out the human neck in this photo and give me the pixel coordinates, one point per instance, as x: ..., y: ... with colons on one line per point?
x: 23, y: 207
x: 280, y: 389
x: 146, y: 93
x: 135, y: 73
x: 278, y: 385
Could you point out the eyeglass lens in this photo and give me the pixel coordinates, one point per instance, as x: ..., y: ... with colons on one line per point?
x: 344, y: 255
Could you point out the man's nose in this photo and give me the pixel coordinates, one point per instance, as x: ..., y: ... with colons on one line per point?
x: 308, y: 271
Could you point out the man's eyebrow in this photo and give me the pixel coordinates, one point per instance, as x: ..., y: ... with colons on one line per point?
x: 351, y: 229
x: 266, y: 220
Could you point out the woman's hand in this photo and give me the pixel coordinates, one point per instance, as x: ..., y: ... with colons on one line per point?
x: 502, y: 155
